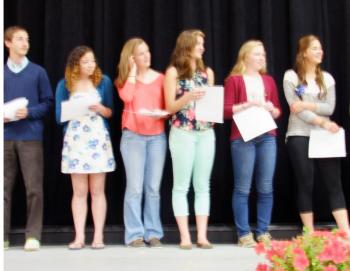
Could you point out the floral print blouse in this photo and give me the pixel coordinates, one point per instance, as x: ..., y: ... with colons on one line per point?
x: 185, y: 118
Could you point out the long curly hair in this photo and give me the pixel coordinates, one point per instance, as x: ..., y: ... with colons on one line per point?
x: 299, y: 67
x: 72, y: 70
x: 182, y: 53
x: 239, y: 67
x: 123, y: 68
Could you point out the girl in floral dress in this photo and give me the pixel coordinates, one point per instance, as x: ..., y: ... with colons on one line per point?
x: 87, y: 151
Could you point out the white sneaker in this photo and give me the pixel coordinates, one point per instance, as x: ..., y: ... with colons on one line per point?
x: 6, y: 244
x: 32, y: 244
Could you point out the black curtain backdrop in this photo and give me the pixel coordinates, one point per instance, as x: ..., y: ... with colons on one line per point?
x: 56, y: 26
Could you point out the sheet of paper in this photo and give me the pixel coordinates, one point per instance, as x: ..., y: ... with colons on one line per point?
x: 324, y: 144
x: 12, y: 106
x: 153, y: 113
x: 211, y: 106
x: 76, y: 108
x: 254, y: 121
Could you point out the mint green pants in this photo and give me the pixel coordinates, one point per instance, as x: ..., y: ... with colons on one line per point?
x: 192, y: 154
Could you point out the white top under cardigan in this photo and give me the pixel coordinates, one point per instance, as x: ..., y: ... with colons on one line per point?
x: 254, y: 86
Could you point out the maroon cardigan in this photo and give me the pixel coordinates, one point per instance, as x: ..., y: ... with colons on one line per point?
x: 235, y: 93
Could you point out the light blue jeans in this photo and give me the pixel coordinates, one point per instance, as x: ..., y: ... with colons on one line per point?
x: 191, y: 152
x: 143, y: 158
x: 259, y: 155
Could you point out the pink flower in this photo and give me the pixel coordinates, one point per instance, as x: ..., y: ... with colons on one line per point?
x: 327, y: 250
x: 330, y: 268
x: 300, y: 261
x: 177, y: 123
x: 334, y: 250
x: 326, y: 254
x: 263, y: 267
x: 341, y: 234
x: 190, y: 114
x: 260, y: 248
x: 323, y: 234
x: 278, y: 248
x: 298, y: 251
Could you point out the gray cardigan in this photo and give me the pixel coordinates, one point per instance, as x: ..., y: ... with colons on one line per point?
x: 300, y: 124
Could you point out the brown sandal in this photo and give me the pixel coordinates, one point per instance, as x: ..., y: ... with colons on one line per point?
x: 205, y: 245
x: 97, y: 245
x: 76, y: 246
x: 186, y: 246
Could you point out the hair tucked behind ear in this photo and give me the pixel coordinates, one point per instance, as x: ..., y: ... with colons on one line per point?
x: 299, y: 67
x: 123, y: 66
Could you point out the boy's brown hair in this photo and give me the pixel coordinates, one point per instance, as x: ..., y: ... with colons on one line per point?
x: 11, y: 30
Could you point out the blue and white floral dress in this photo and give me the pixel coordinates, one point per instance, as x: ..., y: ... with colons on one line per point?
x: 87, y: 145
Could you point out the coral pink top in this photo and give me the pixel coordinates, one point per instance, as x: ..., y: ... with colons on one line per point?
x: 138, y: 96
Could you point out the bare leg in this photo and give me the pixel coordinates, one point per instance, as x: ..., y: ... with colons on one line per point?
x: 308, y: 220
x: 342, y: 219
x: 79, y: 206
x: 202, y: 229
x: 182, y: 223
x: 98, y: 205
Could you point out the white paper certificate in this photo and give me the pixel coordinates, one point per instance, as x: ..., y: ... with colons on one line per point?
x: 76, y: 108
x: 211, y: 106
x: 12, y: 106
x: 324, y: 144
x: 156, y: 113
x: 254, y: 121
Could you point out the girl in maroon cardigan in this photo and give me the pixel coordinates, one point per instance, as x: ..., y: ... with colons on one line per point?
x: 246, y: 86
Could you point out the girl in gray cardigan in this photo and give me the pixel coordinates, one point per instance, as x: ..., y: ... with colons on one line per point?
x: 310, y: 93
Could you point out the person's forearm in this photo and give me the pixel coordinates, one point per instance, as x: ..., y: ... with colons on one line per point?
x: 176, y: 105
x: 106, y: 112
x: 240, y: 107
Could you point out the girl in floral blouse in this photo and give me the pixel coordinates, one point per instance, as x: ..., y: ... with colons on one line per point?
x: 192, y: 142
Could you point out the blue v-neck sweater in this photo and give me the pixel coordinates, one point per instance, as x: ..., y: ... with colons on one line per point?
x: 32, y: 83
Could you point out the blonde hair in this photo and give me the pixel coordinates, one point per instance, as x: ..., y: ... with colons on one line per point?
x: 239, y: 67
x: 123, y: 68
x: 72, y: 71
x: 182, y: 53
x: 299, y: 67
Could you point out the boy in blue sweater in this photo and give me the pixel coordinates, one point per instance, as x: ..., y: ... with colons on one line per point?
x: 23, y: 137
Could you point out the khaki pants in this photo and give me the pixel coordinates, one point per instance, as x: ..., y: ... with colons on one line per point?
x: 29, y: 156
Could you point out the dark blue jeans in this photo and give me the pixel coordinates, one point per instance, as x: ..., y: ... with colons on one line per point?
x: 259, y: 155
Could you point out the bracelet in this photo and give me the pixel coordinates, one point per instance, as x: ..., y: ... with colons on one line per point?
x: 132, y: 76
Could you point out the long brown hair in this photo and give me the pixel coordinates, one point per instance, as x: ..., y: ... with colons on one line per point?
x: 72, y: 71
x: 123, y: 68
x: 299, y: 67
x: 182, y: 54
x: 246, y: 48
